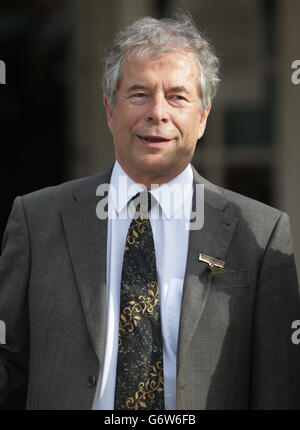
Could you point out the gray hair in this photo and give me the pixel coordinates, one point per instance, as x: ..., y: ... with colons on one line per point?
x: 151, y: 36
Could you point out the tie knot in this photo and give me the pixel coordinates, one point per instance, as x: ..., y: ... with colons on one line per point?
x: 143, y: 202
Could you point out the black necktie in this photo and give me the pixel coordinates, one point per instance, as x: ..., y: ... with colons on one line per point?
x: 139, y: 380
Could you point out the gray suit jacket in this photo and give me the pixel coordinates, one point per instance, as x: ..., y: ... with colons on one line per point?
x: 234, y: 347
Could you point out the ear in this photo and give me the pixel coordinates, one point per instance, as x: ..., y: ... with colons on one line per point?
x: 203, y: 119
x: 109, y: 112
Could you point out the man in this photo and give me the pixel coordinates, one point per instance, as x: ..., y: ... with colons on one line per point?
x: 218, y: 321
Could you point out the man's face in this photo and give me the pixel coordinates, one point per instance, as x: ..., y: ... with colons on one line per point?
x: 156, y: 119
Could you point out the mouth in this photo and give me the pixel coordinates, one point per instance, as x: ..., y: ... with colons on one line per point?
x: 154, y: 140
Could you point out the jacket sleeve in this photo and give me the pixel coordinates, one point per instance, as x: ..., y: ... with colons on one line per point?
x: 275, y: 382
x: 14, y: 279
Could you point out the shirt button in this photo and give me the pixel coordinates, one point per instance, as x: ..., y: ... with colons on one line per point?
x: 91, y: 381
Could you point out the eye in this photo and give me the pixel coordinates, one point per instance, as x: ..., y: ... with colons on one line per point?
x: 177, y: 97
x: 138, y: 95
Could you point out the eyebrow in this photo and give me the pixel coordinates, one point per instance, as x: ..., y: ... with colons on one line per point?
x: 177, y: 89
x: 180, y: 89
x: 136, y: 87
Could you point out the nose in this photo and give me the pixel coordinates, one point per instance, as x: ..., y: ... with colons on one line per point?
x: 158, y: 110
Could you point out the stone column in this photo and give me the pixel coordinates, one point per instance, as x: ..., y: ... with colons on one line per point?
x: 288, y: 161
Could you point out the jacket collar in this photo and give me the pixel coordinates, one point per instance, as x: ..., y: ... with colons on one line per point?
x: 87, y: 239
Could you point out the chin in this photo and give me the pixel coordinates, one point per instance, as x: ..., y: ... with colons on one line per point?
x: 152, y: 166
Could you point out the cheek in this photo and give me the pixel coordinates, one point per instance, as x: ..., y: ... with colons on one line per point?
x: 126, y: 125
x: 188, y: 126
x: 191, y: 133
x: 196, y: 129
x: 130, y: 115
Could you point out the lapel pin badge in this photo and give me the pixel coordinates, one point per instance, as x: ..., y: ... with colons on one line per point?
x: 215, y: 266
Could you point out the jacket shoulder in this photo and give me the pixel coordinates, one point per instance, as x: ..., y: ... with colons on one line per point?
x: 252, y: 215
x: 249, y: 206
x: 75, y: 189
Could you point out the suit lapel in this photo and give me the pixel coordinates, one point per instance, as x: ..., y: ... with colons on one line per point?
x: 212, y: 239
x: 87, y: 239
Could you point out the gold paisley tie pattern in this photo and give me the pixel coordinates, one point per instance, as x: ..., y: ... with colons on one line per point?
x: 139, y: 379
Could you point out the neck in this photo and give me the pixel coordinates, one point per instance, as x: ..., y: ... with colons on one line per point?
x: 148, y: 180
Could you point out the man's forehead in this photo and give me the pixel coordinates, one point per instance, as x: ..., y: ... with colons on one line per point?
x: 140, y: 58
x: 137, y: 71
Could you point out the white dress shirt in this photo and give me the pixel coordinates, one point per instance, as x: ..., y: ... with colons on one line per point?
x: 169, y: 223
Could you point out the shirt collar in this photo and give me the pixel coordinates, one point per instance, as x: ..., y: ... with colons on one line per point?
x: 171, y: 196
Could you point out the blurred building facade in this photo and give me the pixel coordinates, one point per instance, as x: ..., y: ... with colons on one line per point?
x: 251, y: 144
